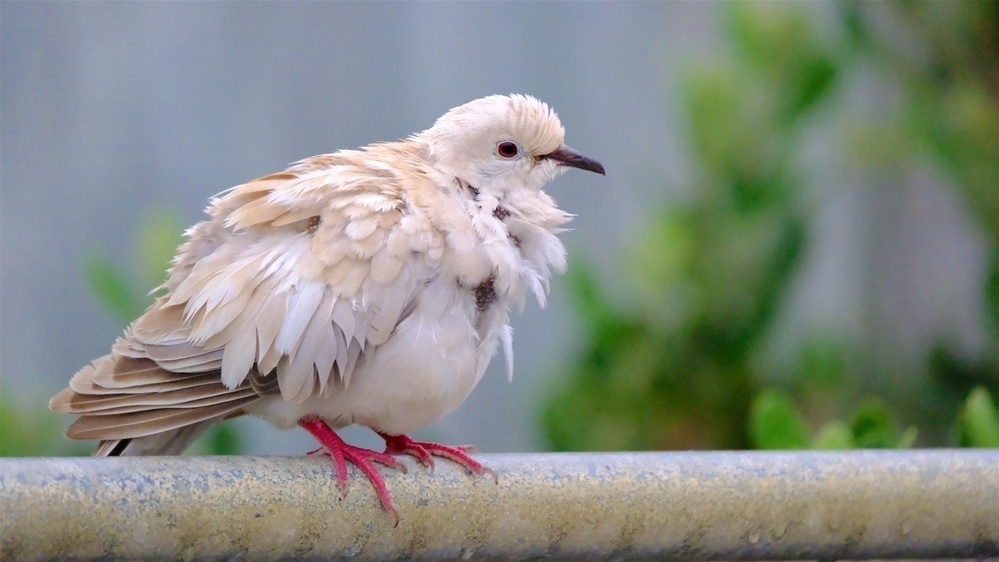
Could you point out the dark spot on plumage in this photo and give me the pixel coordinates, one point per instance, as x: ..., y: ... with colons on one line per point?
x: 500, y: 212
x: 485, y: 293
x: 313, y: 224
x: 119, y: 448
x: 516, y: 240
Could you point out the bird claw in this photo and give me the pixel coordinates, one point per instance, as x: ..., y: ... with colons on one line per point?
x: 362, y: 458
x: 424, y: 451
x: 365, y: 459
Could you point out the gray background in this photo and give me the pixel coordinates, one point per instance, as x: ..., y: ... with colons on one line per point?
x: 110, y: 111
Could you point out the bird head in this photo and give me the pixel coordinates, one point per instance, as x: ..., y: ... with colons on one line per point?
x: 503, y: 143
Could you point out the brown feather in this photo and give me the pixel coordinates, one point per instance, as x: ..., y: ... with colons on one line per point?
x: 127, y: 372
x: 264, y: 385
x: 89, y: 388
x: 191, y: 397
x: 149, y: 422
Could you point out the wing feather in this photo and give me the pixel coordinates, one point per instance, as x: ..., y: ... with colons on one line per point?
x: 206, y: 360
x: 263, y: 285
x: 191, y: 397
x: 149, y: 422
x: 312, y: 355
x: 88, y: 388
x: 302, y: 306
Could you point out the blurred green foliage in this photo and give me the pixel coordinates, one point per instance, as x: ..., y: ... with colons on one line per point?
x: 685, y: 365
x: 776, y: 423
x: 978, y: 424
x: 32, y: 432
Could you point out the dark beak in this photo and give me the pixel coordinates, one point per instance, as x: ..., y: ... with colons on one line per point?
x: 566, y: 156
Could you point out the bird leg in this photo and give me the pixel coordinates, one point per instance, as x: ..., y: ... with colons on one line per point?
x: 424, y: 451
x: 341, y: 452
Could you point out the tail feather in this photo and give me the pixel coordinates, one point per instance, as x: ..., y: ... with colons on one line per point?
x: 172, y: 442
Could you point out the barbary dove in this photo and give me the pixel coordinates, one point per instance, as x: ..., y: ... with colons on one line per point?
x: 368, y: 286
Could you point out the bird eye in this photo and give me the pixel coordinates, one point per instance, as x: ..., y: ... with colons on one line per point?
x: 507, y: 149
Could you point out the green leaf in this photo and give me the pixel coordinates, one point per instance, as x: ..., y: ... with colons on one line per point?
x: 834, y: 436
x: 908, y: 438
x: 774, y: 423
x: 978, y: 422
x: 873, y: 427
x: 111, y: 288
x: 222, y: 439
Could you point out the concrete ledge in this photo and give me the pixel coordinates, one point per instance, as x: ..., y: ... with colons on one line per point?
x: 725, y: 505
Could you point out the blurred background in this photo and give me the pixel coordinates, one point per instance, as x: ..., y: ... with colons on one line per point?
x: 796, y: 244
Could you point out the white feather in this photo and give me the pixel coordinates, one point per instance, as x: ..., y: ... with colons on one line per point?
x: 506, y: 336
x: 301, y: 306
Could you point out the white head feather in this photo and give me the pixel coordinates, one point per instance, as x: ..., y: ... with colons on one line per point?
x: 467, y: 141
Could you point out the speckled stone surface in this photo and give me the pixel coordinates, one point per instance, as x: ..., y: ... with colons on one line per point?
x: 725, y: 505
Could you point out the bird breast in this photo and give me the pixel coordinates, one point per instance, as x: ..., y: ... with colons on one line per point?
x: 439, y: 350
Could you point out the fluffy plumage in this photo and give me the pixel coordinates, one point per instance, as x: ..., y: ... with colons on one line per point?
x: 343, y: 289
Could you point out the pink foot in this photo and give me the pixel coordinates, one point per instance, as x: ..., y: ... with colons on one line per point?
x: 341, y: 452
x: 424, y: 451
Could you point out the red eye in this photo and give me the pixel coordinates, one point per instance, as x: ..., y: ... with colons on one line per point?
x: 507, y: 149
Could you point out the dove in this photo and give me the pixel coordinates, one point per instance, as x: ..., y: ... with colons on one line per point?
x: 369, y: 286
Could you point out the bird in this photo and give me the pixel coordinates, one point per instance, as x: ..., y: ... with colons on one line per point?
x: 370, y: 286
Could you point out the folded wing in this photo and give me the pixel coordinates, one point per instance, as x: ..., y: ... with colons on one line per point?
x: 283, y: 290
